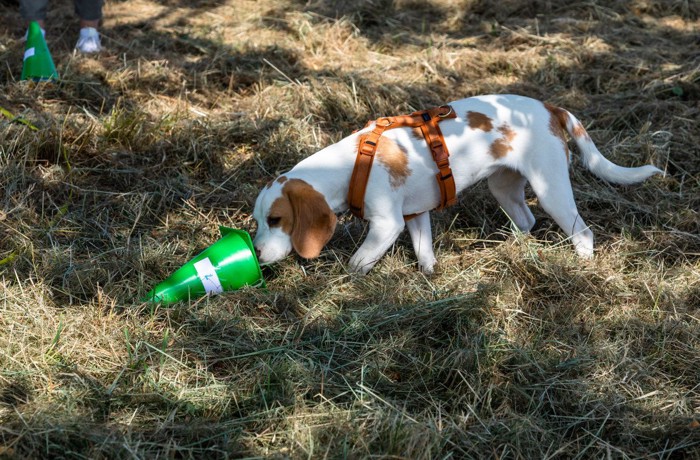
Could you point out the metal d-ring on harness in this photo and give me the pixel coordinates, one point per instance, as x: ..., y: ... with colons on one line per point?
x: 427, y: 121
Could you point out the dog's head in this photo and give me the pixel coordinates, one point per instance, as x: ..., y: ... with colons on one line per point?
x: 291, y: 215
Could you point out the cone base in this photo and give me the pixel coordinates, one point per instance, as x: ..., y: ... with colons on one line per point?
x: 41, y: 79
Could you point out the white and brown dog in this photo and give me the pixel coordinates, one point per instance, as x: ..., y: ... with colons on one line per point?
x: 510, y: 140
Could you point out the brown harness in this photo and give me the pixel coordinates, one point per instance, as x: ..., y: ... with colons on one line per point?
x: 427, y: 121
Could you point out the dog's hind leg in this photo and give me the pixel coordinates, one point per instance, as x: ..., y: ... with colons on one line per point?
x: 557, y: 199
x: 422, y: 239
x: 508, y: 187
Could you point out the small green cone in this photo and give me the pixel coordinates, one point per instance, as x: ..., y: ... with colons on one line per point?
x: 38, y: 65
x: 226, y: 265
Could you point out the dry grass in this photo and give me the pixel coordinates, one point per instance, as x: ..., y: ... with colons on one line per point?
x: 515, y: 349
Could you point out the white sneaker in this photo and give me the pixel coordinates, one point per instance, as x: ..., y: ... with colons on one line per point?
x: 89, y: 40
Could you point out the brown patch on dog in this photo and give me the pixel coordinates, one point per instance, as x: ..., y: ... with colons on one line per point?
x: 305, y: 216
x: 417, y: 134
x: 579, y: 131
x: 501, y: 147
x: 281, y: 215
x: 557, y: 124
x: 478, y: 120
x: 395, y: 159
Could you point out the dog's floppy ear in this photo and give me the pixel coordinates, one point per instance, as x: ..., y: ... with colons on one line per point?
x: 314, y: 220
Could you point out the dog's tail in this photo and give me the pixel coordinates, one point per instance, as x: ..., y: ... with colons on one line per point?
x: 595, y: 161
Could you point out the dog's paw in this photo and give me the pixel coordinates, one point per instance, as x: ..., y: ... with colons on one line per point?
x: 584, y: 252
x: 360, y: 265
x: 427, y: 267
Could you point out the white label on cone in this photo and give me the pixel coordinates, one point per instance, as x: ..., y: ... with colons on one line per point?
x: 29, y: 53
x: 207, y: 274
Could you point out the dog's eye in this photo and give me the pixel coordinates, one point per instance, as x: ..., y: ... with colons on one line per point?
x: 273, y: 221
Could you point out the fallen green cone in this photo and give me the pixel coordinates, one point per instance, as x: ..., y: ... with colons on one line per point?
x: 226, y: 265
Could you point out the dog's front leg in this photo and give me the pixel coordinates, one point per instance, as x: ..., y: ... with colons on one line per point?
x: 422, y: 239
x: 383, y: 231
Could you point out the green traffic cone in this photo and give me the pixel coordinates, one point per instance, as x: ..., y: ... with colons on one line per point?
x: 226, y: 265
x: 38, y: 65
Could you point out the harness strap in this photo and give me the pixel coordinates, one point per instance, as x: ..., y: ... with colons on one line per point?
x: 427, y: 121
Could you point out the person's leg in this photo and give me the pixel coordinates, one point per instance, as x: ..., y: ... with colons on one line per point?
x: 34, y: 10
x: 90, y: 14
x: 95, y: 23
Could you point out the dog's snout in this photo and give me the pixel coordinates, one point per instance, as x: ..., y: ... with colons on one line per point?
x: 257, y: 253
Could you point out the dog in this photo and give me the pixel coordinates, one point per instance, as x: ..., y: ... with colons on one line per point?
x: 509, y: 140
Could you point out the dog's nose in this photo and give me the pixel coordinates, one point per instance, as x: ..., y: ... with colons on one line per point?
x: 257, y: 253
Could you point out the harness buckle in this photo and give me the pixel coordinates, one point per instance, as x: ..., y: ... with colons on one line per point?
x: 440, y: 156
x: 368, y: 148
x: 443, y: 163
